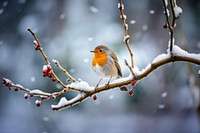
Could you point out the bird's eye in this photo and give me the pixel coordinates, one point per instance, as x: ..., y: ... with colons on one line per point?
x: 100, y: 50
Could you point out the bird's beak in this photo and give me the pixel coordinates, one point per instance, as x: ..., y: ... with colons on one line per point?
x: 92, y: 51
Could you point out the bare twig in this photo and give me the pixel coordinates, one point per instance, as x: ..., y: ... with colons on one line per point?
x: 126, y: 63
x: 126, y: 37
x: 45, y: 57
x: 170, y: 25
x: 64, y: 70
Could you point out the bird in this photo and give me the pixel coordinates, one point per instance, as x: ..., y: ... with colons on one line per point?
x: 105, y: 64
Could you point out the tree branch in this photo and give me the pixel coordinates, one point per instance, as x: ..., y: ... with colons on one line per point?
x: 125, y: 25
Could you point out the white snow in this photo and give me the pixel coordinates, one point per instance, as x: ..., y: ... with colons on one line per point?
x: 37, y: 101
x: 55, y: 62
x: 168, y: 13
x: 64, y: 102
x: 81, y: 85
x: 124, y: 16
x: 119, y: 80
x: 93, y: 9
x: 45, y: 118
x: 161, y: 57
x: 164, y: 94
x: 151, y: 11
x: 86, y: 60
x: 35, y: 43
x: 177, y: 51
x: 145, y: 27
x: 20, y: 86
x: 161, y: 106
x: 126, y: 37
x: 178, y: 11
x: 90, y: 39
x: 5, y: 3
x: 1, y: 10
x: 32, y: 79
x: 62, y: 16
x: 166, y: 3
x: 39, y: 92
x: 147, y: 67
x: 132, y: 21
x: 22, y: 1
x: 136, y: 70
x: 44, y: 67
x: 120, y: 5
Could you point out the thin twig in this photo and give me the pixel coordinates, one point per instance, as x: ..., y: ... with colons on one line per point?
x: 45, y: 57
x: 126, y: 63
x: 64, y: 70
x: 125, y: 25
x: 170, y: 25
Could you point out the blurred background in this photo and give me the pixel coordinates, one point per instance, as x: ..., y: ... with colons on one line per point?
x: 164, y: 102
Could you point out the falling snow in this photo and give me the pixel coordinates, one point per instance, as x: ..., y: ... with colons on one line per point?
x: 22, y: 1
x: 93, y: 9
x: 45, y: 118
x: 145, y: 27
x: 90, y: 39
x: 151, y: 11
x: 32, y: 79
x: 1, y: 11
x: 62, y: 16
x: 132, y: 21
x: 5, y: 3
x: 161, y: 106
x: 86, y: 60
x: 164, y: 94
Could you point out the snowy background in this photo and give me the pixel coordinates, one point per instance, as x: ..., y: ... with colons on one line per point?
x: 164, y: 102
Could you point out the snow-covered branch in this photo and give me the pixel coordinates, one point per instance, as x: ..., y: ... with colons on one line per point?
x: 84, y: 90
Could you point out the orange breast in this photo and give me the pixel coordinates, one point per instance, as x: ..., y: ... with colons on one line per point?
x: 101, y: 60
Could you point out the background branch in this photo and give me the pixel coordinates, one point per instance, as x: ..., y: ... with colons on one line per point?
x: 125, y: 25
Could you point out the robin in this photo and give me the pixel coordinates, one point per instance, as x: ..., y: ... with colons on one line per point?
x: 105, y: 64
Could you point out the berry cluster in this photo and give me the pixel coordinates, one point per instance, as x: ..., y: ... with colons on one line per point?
x: 48, y: 72
x: 133, y: 83
x: 7, y: 82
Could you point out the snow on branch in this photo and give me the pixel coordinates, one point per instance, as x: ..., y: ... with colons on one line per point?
x: 83, y: 89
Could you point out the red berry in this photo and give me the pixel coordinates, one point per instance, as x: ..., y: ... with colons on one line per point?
x: 165, y: 26
x: 68, y: 79
x: 94, y: 97
x: 133, y: 82
x: 25, y: 96
x: 37, y: 103
x: 65, y: 90
x: 53, y: 79
x: 49, y: 67
x: 16, y: 89
x: 49, y: 73
x: 131, y: 92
